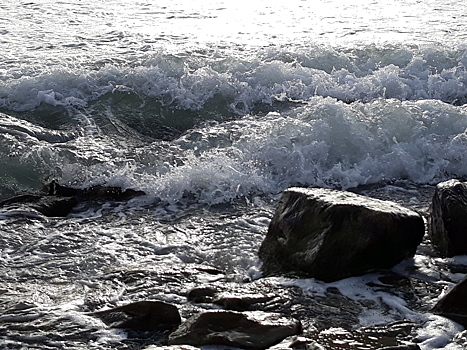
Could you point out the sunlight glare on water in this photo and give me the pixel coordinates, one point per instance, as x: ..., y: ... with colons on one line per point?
x: 129, y: 29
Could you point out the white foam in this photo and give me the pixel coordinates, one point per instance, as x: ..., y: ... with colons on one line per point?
x: 324, y: 143
x: 381, y: 308
x: 377, y: 302
x: 260, y: 76
x: 438, y: 333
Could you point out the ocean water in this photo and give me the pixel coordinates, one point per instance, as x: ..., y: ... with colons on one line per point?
x: 213, y: 108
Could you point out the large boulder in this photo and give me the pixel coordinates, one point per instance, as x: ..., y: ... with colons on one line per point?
x: 144, y: 315
x: 447, y: 222
x: 250, y: 330
x: 330, y: 235
x: 453, y: 304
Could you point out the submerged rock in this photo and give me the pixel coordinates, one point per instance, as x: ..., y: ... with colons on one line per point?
x: 448, y: 226
x: 236, y: 301
x: 51, y: 206
x: 60, y: 200
x: 249, y: 330
x: 142, y: 316
x: 330, y: 235
x: 94, y: 193
x: 241, y: 302
x: 453, y: 305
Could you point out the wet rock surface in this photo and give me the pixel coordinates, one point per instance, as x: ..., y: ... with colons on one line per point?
x: 448, y: 212
x: 453, y: 305
x: 330, y: 309
x: 248, y: 330
x: 51, y: 206
x: 142, y: 316
x: 330, y: 235
x: 59, y: 201
x: 330, y: 316
x: 93, y: 193
x: 236, y: 301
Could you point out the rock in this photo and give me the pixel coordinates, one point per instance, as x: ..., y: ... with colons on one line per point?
x: 93, y: 193
x: 330, y: 309
x: 453, y: 304
x: 447, y: 224
x: 228, y: 300
x: 51, y: 206
x: 330, y: 235
x: 202, y: 295
x: 142, y: 316
x: 60, y: 200
x: 239, y: 301
x: 249, y: 330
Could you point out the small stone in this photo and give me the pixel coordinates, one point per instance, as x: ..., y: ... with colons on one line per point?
x: 240, y: 302
x: 201, y: 295
x: 142, y: 316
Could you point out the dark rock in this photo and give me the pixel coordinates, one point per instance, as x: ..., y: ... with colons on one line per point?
x: 228, y: 300
x: 330, y: 235
x: 252, y: 330
x: 202, y: 295
x: 239, y: 301
x: 453, y: 304
x: 142, y: 316
x: 51, y: 206
x: 93, y: 193
x: 447, y: 224
x: 60, y: 200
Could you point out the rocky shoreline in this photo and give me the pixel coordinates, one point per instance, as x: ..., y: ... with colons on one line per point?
x: 275, y: 312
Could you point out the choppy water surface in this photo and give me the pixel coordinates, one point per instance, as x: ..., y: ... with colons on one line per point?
x: 213, y: 109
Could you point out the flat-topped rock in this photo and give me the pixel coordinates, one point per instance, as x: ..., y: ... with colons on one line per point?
x: 330, y: 235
